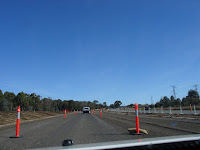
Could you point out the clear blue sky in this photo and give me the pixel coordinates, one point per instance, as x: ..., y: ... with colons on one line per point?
x: 126, y: 50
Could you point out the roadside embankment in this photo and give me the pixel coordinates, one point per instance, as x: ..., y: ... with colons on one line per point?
x: 9, y: 117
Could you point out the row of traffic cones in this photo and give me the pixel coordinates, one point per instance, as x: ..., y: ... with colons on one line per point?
x: 136, y: 130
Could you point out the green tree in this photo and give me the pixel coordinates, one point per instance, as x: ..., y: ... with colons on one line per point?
x: 53, y: 106
x: 172, y: 101
x: 105, y: 105
x: 71, y: 105
x: 10, y: 96
x: 177, y: 102
x: 92, y: 105
x: 1, y: 95
x: 193, y: 93
x: 59, y: 105
x: 100, y: 106
x: 117, y: 104
x: 96, y: 101
x: 111, y: 106
x: 21, y: 100
x: 152, y: 106
x: 78, y: 105
x: 131, y: 105
x: 4, y: 104
x: 185, y: 102
x: 46, y: 104
x: 157, y: 104
x: 35, y: 100
x: 65, y: 105
x: 165, y: 102
x: 193, y: 97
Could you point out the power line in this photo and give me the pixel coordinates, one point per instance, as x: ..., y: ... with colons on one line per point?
x: 174, y: 91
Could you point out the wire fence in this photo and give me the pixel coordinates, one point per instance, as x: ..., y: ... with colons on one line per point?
x: 169, y: 110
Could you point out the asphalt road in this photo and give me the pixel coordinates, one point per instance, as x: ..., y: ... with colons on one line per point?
x: 89, y: 128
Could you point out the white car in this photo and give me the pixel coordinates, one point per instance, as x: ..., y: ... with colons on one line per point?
x: 86, y: 110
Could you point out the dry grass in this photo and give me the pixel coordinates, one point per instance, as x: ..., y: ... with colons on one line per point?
x: 10, y: 116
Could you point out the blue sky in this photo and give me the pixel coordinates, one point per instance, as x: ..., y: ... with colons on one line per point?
x: 104, y: 50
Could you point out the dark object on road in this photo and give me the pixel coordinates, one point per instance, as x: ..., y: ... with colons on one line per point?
x: 15, y: 137
x: 67, y: 142
x: 187, y: 142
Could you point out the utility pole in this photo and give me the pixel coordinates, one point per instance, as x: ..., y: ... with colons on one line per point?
x: 196, y: 87
x: 151, y: 100
x: 174, y: 91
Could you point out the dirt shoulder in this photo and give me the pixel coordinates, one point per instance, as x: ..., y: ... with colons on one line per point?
x: 189, y: 116
x: 9, y: 117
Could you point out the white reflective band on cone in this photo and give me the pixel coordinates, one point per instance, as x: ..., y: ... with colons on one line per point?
x: 136, y: 112
x: 18, y: 115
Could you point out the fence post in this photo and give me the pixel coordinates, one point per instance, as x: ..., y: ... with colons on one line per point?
x: 195, y: 110
x: 170, y: 110
x: 181, y: 110
x: 161, y: 109
x: 154, y: 109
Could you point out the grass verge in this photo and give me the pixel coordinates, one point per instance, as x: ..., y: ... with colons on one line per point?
x: 8, y: 117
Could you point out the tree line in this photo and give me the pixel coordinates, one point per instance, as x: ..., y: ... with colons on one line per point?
x: 116, y: 104
x: 33, y: 102
x: 192, y: 98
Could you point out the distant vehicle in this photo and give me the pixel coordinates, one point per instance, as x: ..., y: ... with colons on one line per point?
x: 147, y: 108
x: 86, y: 110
